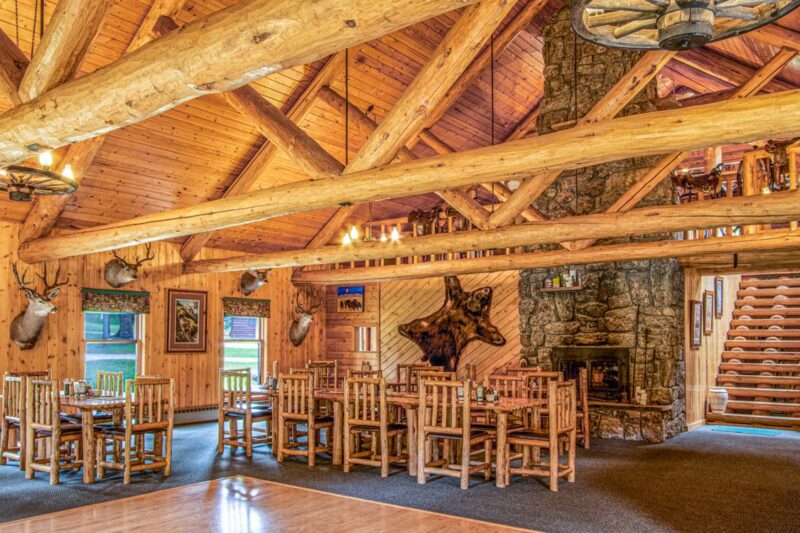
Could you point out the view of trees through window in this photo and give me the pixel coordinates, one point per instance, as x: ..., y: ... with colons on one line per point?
x: 111, y: 343
x: 243, y: 344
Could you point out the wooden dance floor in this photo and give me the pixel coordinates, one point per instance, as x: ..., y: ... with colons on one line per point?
x: 243, y: 504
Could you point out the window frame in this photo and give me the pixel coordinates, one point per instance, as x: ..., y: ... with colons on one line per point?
x: 372, y: 335
x: 262, y: 344
x: 139, y: 340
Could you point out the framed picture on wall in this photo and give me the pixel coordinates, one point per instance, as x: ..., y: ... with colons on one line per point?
x: 350, y: 299
x: 708, y: 312
x: 719, y: 297
x: 186, y: 321
x: 697, y: 323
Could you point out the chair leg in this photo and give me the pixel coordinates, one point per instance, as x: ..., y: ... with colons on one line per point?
x: 487, y: 457
x: 23, y: 446
x: 55, y: 451
x: 127, y: 466
x: 465, y: 449
x: 553, y: 454
x: 168, y: 453
x: 347, y: 443
x: 312, y: 445
x: 4, y: 439
x: 571, y: 456
x: 26, y: 460
x: 248, y: 435
x: 100, y: 447
x: 220, y: 432
x: 421, y: 478
x: 385, y: 453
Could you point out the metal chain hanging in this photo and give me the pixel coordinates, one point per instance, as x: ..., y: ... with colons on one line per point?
x: 491, y: 98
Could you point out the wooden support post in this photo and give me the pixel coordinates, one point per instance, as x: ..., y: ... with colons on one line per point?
x: 792, y: 153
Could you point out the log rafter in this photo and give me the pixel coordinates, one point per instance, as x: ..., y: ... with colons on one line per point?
x: 13, y: 64
x: 683, y: 129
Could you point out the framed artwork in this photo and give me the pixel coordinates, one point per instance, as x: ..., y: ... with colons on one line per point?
x: 697, y: 323
x: 708, y: 312
x: 350, y: 299
x: 186, y: 321
x: 719, y: 297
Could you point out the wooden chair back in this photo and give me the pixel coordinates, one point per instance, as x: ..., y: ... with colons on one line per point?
x: 42, y: 374
x: 538, y: 382
x: 326, y: 373
x: 149, y: 405
x: 435, y: 375
x: 42, y: 405
x: 561, y: 403
x: 365, y: 402
x: 110, y: 383
x: 521, y: 369
x: 366, y: 366
x: 296, y: 395
x: 441, y: 411
x: 234, y: 390
x: 358, y: 374
x: 514, y: 386
x: 412, y: 372
x: 13, y: 397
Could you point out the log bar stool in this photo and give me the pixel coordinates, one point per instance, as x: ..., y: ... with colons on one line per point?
x: 297, y: 405
x: 235, y: 404
x: 149, y: 409
x: 366, y: 413
x: 559, y: 434
x: 43, y: 421
x: 443, y: 417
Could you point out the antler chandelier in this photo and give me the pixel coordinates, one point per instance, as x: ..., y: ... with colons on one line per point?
x: 22, y: 182
x: 672, y: 24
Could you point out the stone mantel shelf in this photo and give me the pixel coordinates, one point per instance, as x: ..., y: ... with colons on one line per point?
x: 624, y: 405
x: 562, y: 289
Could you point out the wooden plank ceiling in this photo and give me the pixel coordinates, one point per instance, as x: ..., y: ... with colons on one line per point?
x: 192, y: 153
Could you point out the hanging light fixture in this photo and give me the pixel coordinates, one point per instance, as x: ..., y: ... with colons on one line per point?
x: 346, y: 240
x: 384, y: 238
x: 672, y: 24
x: 22, y: 181
x: 395, y: 237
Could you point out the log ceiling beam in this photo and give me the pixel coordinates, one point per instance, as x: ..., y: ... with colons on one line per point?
x: 664, y: 249
x: 70, y: 32
x: 775, y: 208
x: 46, y: 210
x: 725, y: 69
x: 217, y: 53
x: 734, y: 121
x: 13, y: 64
x: 653, y: 177
x: 777, y: 36
x: 612, y: 103
x: 151, y: 27
x: 260, y: 162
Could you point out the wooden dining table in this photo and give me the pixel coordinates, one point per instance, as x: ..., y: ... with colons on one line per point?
x: 410, y: 402
x: 87, y: 405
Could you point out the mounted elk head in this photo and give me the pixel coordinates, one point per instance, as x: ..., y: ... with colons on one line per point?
x: 26, y: 326
x: 119, y: 271
x: 309, y: 301
x: 463, y: 318
x: 252, y: 280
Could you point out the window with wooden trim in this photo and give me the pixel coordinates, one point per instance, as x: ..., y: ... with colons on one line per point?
x: 244, y: 344
x: 366, y: 339
x: 113, y: 342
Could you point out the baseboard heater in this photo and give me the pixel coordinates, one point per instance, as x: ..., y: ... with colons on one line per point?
x: 194, y: 415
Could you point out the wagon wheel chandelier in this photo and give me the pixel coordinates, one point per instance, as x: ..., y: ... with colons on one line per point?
x: 22, y: 181
x: 672, y: 24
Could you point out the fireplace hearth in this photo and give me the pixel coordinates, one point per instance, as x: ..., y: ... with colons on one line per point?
x: 607, y: 368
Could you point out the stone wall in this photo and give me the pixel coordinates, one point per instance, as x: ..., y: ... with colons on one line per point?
x: 635, y: 304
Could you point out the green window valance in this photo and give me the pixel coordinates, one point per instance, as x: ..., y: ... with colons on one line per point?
x: 245, y: 307
x: 111, y: 301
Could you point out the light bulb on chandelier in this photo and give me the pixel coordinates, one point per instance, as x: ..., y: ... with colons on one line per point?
x: 395, y: 234
x: 354, y: 233
x: 347, y: 240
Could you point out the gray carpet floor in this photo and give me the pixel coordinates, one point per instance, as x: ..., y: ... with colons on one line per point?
x: 700, y: 481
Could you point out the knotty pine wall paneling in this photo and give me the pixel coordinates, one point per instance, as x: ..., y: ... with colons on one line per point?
x: 60, y: 345
x: 340, y: 329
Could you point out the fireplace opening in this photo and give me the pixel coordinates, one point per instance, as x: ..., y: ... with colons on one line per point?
x: 607, y: 369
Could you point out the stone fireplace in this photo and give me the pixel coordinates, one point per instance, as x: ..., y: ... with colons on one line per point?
x: 635, y: 306
x: 607, y: 369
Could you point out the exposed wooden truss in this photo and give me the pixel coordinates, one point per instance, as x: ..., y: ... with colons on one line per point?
x: 774, y: 208
x: 683, y: 129
x: 13, y: 64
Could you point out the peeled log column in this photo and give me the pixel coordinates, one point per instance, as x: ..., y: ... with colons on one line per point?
x: 788, y: 240
x: 736, y: 121
x: 217, y: 53
x: 774, y: 208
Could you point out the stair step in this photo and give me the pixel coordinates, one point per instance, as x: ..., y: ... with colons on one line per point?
x: 765, y: 293
x: 787, y: 422
x: 770, y: 407
x: 768, y: 302
x: 761, y: 356
x: 778, y: 345
x: 769, y: 283
x: 756, y: 392
x: 767, y: 313
x: 766, y: 322
x: 764, y: 333
x: 746, y: 379
x: 759, y: 367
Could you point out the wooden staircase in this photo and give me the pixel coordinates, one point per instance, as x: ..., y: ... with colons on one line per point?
x: 760, y: 366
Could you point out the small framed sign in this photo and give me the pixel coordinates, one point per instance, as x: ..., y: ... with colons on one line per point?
x: 708, y: 312
x: 350, y: 299
x: 697, y: 323
x: 719, y: 296
x: 186, y: 321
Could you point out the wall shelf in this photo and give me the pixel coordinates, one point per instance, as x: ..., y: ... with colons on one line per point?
x: 562, y: 289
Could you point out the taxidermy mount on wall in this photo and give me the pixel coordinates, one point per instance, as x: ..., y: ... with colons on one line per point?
x: 463, y: 318
x: 309, y: 301
x: 119, y: 271
x: 26, y: 326
x: 252, y: 280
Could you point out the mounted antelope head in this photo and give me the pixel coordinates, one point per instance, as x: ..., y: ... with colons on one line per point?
x: 252, y: 280
x: 119, y: 272
x: 309, y: 300
x: 26, y: 326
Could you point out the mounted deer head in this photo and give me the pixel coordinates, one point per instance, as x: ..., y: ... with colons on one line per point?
x: 252, y: 280
x: 26, y: 326
x: 309, y: 300
x: 119, y: 272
